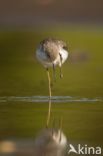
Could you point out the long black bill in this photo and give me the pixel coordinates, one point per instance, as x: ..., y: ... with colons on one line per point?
x: 61, y: 74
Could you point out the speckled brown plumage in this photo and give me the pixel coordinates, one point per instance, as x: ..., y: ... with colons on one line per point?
x: 50, y: 47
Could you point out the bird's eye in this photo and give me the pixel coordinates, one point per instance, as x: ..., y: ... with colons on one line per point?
x: 65, y: 47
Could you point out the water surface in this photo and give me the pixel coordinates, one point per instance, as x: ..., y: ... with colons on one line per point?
x: 57, y: 99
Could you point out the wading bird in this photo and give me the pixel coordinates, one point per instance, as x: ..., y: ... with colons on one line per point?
x: 50, y: 53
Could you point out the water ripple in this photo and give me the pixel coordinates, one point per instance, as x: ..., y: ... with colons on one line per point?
x: 39, y: 99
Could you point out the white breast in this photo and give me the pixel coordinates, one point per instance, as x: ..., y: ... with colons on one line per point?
x: 64, y: 55
x: 42, y: 58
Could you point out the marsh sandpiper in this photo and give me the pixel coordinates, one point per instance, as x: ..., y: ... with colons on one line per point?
x: 50, y: 53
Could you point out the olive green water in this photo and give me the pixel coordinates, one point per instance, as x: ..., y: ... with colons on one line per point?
x: 22, y: 75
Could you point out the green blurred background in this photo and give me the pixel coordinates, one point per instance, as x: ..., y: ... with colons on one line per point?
x: 23, y: 26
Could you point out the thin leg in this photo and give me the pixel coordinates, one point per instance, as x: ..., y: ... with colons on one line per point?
x: 49, y: 108
x: 61, y: 75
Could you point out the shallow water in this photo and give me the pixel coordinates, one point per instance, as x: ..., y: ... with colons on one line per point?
x: 57, y: 99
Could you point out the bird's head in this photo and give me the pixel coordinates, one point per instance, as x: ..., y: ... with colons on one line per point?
x: 63, y: 45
